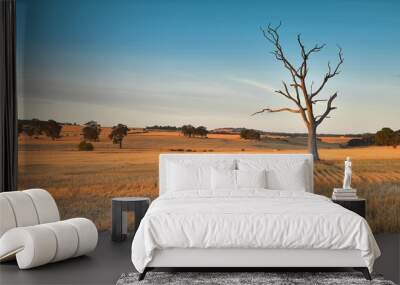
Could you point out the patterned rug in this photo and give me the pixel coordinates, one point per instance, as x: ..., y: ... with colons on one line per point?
x: 269, y: 278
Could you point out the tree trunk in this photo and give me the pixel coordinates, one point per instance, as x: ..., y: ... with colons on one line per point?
x: 120, y: 144
x: 312, y: 142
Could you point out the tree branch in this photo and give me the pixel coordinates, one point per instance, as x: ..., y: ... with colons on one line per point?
x: 272, y: 35
x: 305, y: 55
x: 329, y: 74
x: 287, y: 94
x: 303, y: 68
x: 328, y: 109
x: 316, y: 48
x: 319, y: 116
x: 296, y: 101
x: 269, y: 110
x: 319, y: 100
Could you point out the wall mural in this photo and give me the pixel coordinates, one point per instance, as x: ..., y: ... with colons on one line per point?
x: 104, y: 87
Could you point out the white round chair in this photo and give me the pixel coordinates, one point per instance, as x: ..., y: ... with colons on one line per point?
x: 31, y: 230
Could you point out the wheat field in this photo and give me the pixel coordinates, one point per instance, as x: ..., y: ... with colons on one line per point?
x: 83, y: 183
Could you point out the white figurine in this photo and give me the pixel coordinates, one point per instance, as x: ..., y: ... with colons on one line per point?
x: 347, y: 174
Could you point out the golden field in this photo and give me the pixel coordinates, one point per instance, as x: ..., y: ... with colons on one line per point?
x: 84, y: 182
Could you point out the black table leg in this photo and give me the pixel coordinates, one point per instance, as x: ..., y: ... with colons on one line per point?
x: 116, y: 227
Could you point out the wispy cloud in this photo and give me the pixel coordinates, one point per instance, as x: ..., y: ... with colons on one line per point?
x: 254, y: 83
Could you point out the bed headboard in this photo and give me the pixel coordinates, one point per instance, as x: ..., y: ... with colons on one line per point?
x: 165, y: 158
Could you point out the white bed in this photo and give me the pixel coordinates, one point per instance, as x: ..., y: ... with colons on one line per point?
x: 249, y: 227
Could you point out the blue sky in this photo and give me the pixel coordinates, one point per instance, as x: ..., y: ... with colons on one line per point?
x: 203, y: 62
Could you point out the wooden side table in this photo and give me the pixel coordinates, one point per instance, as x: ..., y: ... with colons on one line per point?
x: 358, y: 206
x: 120, y: 207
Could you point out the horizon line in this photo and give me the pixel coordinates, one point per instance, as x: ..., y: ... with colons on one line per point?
x: 212, y: 129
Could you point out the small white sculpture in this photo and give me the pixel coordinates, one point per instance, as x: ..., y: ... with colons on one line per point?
x: 347, y: 174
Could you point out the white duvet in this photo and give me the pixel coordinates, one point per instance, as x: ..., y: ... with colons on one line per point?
x: 250, y: 219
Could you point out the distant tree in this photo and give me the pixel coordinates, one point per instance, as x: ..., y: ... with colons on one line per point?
x: 33, y: 127
x: 91, y: 131
x: 118, y: 133
x: 52, y: 129
x: 29, y: 131
x: 365, y: 140
x: 386, y: 136
x: 36, y: 127
x: 249, y: 134
x: 396, y: 139
x: 188, y: 131
x: 165, y: 128
x: 201, y: 131
x: 85, y: 146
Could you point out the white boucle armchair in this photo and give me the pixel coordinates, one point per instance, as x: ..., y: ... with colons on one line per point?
x: 31, y: 230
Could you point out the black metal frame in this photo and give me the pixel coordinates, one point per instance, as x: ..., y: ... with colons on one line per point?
x: 363, y: 270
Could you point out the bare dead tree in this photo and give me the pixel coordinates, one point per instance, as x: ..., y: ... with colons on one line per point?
x: 303, y: 98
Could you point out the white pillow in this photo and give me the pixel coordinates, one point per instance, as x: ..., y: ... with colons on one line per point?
x: 223, y: 179
x: 193, y: 174
x: 227, y: 179
x: 251, y: 178
x: 291, y: 175
x: 182, y: 177
x: 292, y: 179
